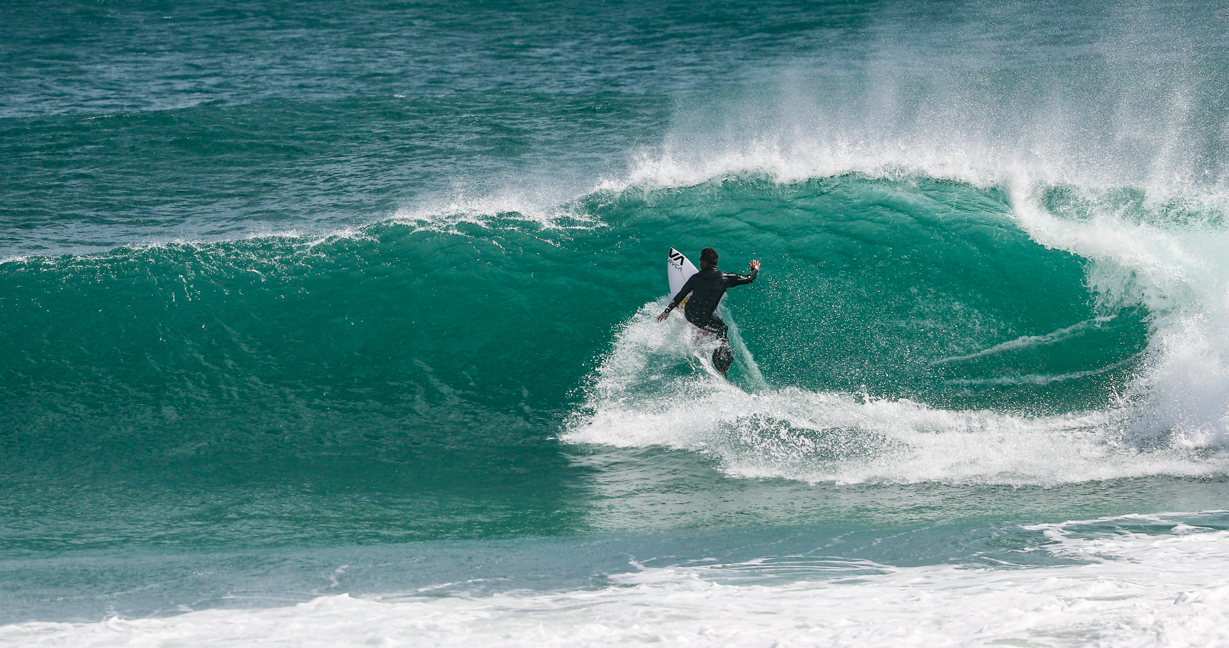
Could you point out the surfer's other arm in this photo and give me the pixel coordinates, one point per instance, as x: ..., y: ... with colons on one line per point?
x: 678, y: 299
x: 740, y: 280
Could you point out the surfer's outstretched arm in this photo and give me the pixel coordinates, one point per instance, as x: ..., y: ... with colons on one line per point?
x: 740, y: 280
x: 678, y: 299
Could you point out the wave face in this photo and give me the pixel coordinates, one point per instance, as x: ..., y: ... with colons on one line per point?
x: 298, y: 302
x: 898, y: 320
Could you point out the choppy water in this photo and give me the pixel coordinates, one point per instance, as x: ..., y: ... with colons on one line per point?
x: 334, y: 325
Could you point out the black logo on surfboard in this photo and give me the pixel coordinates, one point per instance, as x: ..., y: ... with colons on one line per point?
x: 676, y: 258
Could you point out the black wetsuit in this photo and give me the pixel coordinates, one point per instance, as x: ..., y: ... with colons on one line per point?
x: 706, y: 288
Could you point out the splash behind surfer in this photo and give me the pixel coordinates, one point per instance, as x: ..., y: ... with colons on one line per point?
x: 706, y: 288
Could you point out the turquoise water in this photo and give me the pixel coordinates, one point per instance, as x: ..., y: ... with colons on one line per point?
x: 299, y: 301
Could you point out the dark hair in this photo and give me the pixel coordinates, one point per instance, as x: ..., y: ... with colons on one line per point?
x: 708, y: 256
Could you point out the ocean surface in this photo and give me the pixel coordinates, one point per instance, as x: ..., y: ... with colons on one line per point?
x: 333, y: 324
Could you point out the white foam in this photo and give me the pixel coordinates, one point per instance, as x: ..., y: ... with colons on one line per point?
x: 1036, y: 379
x: 635, y: 401
x: 1113, y: 596
x: 1181, y: 273
x: 1032, y: 341
x: 547, y: 209
x: 15, y: 259
x: 301, y: 239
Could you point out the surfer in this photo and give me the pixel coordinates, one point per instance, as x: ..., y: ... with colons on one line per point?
x: 706, y: 288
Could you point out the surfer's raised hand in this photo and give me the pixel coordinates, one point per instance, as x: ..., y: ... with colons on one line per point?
x: 755, y: 265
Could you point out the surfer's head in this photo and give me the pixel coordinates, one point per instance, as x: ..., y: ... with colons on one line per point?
x: 708, y: 258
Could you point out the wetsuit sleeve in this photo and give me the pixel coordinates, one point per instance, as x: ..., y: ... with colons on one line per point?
x: 738, y: 280
x: 683, y: 292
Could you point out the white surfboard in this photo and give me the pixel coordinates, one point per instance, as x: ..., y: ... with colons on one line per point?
x: 678, y: 270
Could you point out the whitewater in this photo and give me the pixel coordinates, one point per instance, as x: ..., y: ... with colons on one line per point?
x: 1108, y: 596
x: 336, y: 326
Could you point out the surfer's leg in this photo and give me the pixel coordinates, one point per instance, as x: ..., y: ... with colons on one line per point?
x: 717, y: 326
x: 723, y: 357
x: 712, y: 324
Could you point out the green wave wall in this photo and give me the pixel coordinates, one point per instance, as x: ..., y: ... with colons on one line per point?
x: 437, y: 359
